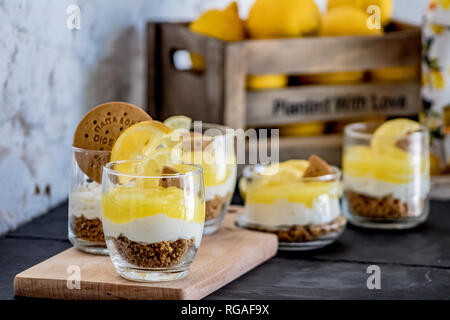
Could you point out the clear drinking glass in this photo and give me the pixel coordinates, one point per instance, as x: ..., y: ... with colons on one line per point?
x: 304, y: 213
x: 153, y: 225
x: 216, y: 153
x: 85, y: 204
x: 386, y: 179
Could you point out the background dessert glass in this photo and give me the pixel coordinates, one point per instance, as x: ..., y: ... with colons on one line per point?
x: 85, y: 203
x: 304, y: 213
x: 386, y: 179
x: 219, y: 170
x: 153, y: 225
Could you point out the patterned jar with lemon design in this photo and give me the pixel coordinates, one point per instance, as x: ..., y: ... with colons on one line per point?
x: 436, y: 83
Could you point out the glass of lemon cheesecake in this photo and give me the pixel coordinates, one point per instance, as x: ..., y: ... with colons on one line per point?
x: 386, y: 174
x: 212, y: 147
x: 85, y: 203
x: 298, y: 200
x: 153, y: 217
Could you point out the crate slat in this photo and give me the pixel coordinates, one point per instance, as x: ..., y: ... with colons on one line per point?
x: 328, y: 147
x: 333, y: 54
x: 331, y: 102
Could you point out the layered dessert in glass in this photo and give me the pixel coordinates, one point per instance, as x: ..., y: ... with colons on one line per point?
x: 298, y: 200
x: 212, y: 147
x: 85, y: 204
x: 386, y: 174
x: 153, y: 223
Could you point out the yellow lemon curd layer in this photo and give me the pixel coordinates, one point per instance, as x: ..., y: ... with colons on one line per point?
x: 215, y: 173
x: 122, y: 205
x: 389, y: 164
x: 285, y: 182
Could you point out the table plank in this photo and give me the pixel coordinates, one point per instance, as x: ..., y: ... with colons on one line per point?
x: 17, y: 255
x: 286, y: 279
x: 426, y: 245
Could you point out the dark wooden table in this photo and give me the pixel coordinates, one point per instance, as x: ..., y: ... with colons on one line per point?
x: 414, y: 264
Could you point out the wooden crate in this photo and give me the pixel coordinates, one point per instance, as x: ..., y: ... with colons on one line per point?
x: 219, y: 94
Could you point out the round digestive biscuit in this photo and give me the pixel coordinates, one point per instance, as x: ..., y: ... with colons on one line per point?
x: 101, y: 126
x: 99, y: 130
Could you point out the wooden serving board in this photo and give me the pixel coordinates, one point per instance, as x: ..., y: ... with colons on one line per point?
x: 221, y: 258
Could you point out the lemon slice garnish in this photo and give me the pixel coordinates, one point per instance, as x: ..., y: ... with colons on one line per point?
x: 153, y: 164
x: 179, y: 122
x: 136, y: 142
x: 386, y: 136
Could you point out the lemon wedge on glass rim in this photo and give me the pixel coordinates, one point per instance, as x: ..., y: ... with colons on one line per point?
x: 386, y: 136
x: 178, y: 122
x: 180, y: 126
x: 153, y: 164
x: 136, y: 142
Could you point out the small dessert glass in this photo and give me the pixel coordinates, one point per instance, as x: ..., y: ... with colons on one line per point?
x: 386, y: 179
x: 304, y: 213
x: 153, y: 225
x: 219, y: 169
x: 85, y: 229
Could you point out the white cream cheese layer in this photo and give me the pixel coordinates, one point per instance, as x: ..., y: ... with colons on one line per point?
x: 155, y: 228
x: 86, y: 202
x: 369, y: 186
x: 282, y: 212
x: 223, y: 189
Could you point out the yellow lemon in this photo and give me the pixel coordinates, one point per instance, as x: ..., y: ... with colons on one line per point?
x: 435, y: 164
x: 437, y: 80
x: 197, y: 62
x: 444, y: 3
x: 302, y: 129
x: 386, y: 7
x: 333, y: 77
x: 346, y: 21
x: 136, y: 142
x: 282, y: 18
x: 396, y: 73
x: 221, y: 24
x: 268, y: 81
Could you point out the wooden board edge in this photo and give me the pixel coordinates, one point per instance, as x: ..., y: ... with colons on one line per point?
x: 266, y: 252
x: 87, y: 291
